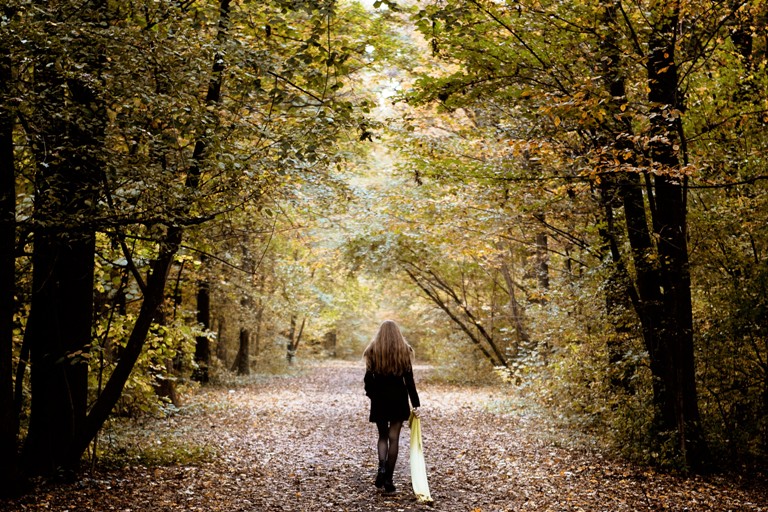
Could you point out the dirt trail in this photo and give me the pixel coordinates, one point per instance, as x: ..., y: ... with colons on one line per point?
x: 303, y: 443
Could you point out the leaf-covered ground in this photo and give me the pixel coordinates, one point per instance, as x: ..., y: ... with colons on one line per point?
x: 303, y: 443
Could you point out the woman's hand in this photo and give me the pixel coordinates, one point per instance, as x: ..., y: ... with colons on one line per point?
x: 416, y: 412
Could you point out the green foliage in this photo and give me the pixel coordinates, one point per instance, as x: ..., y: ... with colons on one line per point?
x: 455, y: 361
x: 190, y: 116
x: 733, y: 346
x: 521, y: 119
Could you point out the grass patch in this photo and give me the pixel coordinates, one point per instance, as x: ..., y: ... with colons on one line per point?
x: 172, y: 453
x: 150, y: 443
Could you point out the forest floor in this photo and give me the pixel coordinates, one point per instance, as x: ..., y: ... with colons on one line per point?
x: 303, y: 443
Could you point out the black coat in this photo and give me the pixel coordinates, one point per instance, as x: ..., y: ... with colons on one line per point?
x: 389, y: 396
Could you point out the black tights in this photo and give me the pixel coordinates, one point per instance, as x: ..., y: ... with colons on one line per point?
x: 389, y: 439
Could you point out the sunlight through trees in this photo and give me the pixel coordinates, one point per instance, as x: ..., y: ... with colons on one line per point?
x: 567, y: 198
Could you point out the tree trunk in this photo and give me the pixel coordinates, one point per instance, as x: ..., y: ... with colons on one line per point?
x: 522, y: 337
x: 221, y: 346
x: 294, y: 338
x: 620, y: 295
x: 541, y: 266
x: 673, y: 334
x: 153, y: 297
x: 8, y: 416
x: 242, y: 361
x: 257, y: 337
x: 162, y: 369
x: 202, y: 343
x: 289, y: 354
x: 165, y: 383
x: 656, y: 230
x: 61, y: 315
x: 58, y: 332
x: 329, y: 342
x: 300, y: 334
x: 619, y: 292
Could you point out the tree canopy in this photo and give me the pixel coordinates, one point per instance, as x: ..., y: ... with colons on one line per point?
x: 571, y: 194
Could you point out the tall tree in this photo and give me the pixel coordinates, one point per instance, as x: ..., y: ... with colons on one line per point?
x: 169, y: 246
x: 202, y: 342
x: 666, y: 307
x: 8, y: 416
x: 67, y: 134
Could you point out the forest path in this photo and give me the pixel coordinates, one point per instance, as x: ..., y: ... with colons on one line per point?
x: 303, y: 443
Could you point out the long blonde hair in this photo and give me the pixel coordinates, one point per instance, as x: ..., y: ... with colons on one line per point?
x: 388, y: 353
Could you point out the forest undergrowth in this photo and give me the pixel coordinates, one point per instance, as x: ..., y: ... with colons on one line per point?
x: 302, y: 443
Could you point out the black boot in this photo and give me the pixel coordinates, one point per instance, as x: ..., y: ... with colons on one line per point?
x: 389, y: 486
x: 381, y: 474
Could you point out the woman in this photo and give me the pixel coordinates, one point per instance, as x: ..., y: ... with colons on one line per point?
x: 389, y: 383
